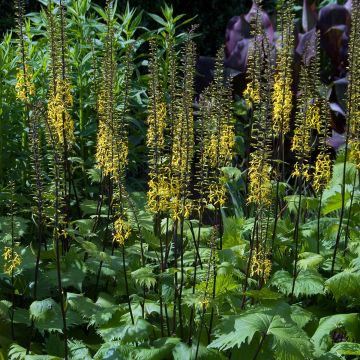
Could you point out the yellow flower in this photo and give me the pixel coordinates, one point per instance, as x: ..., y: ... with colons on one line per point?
x: 260, y: 264
x: 180, y: 209
x: 322, y: 173
x: 303, y: 170
x: 301, y: 140
x: 59, y: 117
x: 252, y: 93
x: 282, y: 100
x: 313, y: 117
x: 159, y: 193
x: 259, y: 180
x: 217, y: 194
x: 11, y: 260
x: 112, y: 147
x: 156, y: 120
x: 24, y: 84
x: 355, y: 152
x: 122, y: 231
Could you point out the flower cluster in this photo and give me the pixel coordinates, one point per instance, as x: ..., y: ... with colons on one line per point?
x: 11, y: 260
x: 259, y: 180
x: 353, y: 97
x: 252, y: 93
x: 60, y: 120
x: 260, y: 265
x: 24, y: 85
x: 122, y: 231
x: 282, y: 94
x: 322, y: 172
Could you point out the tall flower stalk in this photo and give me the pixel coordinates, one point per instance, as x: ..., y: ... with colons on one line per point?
x: 282, y: 96
x: 306, y: 121
x: 259, y: 96
x: 112, y: 142
x: 353, y: 108
x: 60, y: 100
x: 182, y: 153
x: 323, y: 162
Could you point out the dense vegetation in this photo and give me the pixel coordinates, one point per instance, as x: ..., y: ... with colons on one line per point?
x: 142, y: 220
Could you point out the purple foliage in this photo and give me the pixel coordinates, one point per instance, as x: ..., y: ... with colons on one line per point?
x: 333, y: 24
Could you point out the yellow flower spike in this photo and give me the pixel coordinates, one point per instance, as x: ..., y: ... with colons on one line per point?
x: 217, y: 194
x: 303, y: 170
x: 282, y: 92
x: 322, y: 173
x: 59, y: 117
x: 313, y: 117
x: 282, y: 100
x: 157, y: 124
x: 259, y: 180
x: 252, y: 94
x: 11, y: 260
x: 355, y: 152
x: 260, y: 264
x: 24, y: 84
x: 122, y: 231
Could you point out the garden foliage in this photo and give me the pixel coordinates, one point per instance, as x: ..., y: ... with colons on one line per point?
x: 135, y: 225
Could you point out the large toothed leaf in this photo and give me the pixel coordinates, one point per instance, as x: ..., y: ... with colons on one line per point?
x: 322, y: 338
x: 159, y: 349
x: 308, y: 283
x: 47, y: 316
x: 144, y: 277
x: 127, y: 332
x: 274, y: 323
x: 114, y: 350
x: 345, y: 285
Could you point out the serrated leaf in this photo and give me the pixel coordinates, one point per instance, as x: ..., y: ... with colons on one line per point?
x: 301, y: 316
x: 144, y: 276
x: 322, y: 337
x: 346, y: 348
x: 288, y: 340
x: 309, y: 260
x: 308, y: 283
x: 160, y: 349
x: 128, y: 332
x: 96, y: 313
x: 78, y: 350
x: 264, y: 294
x: 345, y: 285
x: 183, y: 351
x: 114, y: 350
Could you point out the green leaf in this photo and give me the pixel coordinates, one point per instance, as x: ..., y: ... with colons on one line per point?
x: 160, y: 349
x: 185, y: 352
x: 309, y: 260
x: 17, y: 352
x: 264, y: 294
x: 20, y: 227
x: 89, y: 207
x: 332, y: 198
x: 308, y: 283
x: 97, y: 314
x: 114, y: 350
x: 144, y: 276
x: 322, y: 337
x: 301, y: 316
x: 288, y: 340
x: 47, y: 316
x: 78, y: 350
x: 346, y: 348
x: 345, y: 285
x: 127, y: 333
